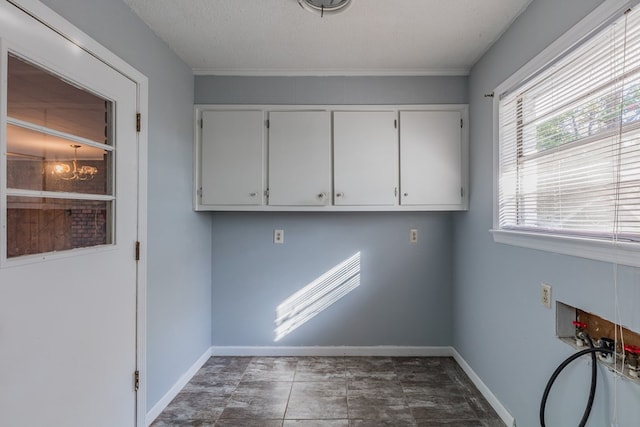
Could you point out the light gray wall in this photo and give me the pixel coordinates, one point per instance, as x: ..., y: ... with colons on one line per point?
x: 405, y: 292
x: 331, y: 90
x: 179, y: 240
x: 403, y: 299
x: 500, y: 327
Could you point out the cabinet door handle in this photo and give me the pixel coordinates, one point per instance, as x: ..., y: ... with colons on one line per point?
x: 339, y: 194
x: 322, y: 195
x: 254, y: 194
x: 406, y: 194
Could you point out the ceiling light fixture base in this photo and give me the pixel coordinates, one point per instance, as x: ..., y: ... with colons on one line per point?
x: 325, y: 7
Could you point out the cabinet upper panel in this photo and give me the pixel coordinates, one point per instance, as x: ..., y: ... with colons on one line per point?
x: 299, y: 158
x: 430, y: 157
x: 231, y: 157
x: 365, y: 146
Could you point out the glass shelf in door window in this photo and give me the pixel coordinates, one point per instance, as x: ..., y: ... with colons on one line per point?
x: 42, y: 162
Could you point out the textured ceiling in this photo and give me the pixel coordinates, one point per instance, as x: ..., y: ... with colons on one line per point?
x: 268, y: 37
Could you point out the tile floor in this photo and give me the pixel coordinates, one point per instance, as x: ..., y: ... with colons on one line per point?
x: 329, y: 392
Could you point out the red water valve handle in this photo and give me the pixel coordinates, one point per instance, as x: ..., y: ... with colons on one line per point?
x: 580, y: 325
x: 633, y: 349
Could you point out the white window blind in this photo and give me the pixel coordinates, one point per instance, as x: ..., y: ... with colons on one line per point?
x: 569, y: 141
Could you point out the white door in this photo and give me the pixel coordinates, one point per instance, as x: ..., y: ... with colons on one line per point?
x: 300, y: 158
x: 232, y: 147
x: 430, y: 158
x: 68, y: 182
x: 365, y: 157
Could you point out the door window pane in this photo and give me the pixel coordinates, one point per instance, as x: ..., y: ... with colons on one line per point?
x: 39, y: 97
x: 41, y: 162
x: 59, y: 140
x: 37, y: 225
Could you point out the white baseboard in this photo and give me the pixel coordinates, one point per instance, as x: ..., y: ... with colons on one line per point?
x: 333, y: 351
x: 506, y: 417
x: 153, y: 413
x: 398, y: 351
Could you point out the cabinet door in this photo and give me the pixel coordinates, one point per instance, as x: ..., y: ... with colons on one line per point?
x: 300, y: 158
x: 430, y: 158
x: 232, y: 157
x: 365, y: 146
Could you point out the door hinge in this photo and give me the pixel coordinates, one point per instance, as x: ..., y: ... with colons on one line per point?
x: 266, y: 194
x: 395, y: 191
x: 395, y: 124
x: 138, y: 118
x: 137, y: 251
x: 461, y: 123
x: 199, y: 192
x: 136, y: 380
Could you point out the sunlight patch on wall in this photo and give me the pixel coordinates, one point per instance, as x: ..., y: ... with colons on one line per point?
x: 321, y: 293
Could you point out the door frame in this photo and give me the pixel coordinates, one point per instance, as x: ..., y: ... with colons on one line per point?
x: 72, y: 33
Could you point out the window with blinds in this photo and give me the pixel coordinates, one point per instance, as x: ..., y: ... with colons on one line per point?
x: 569, y: 141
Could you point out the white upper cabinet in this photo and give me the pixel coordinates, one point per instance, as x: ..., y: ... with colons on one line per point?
x: 231, y: 158
x: 299, y: 158
x: 431, y: 158
x: 331, y: 158
x: 365, y: 160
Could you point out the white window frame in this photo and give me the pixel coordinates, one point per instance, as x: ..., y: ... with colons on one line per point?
x: 625, y: 253
x: 7, y: 49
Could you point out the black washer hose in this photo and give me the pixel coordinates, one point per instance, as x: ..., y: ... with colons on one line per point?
x: 594, y: 378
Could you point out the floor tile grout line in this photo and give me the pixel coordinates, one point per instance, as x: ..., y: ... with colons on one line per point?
x: 404, y: 394
x: 286, y: 407
x: 346, y: 386
x: 227, y: 400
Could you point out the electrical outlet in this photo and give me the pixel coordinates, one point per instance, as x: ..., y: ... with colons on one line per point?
x: 413, y: 235
x: 545, y: 294
x: 278, y: 236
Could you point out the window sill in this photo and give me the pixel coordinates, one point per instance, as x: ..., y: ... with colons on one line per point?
x: 624, y: 253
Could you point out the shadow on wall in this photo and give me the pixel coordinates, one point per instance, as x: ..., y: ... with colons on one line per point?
x: 318, y: 295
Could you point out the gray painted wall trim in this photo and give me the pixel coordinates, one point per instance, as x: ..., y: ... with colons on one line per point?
x: 339, y: 90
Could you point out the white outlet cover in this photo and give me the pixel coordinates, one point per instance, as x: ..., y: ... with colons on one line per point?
x: 278, y: 236
x: 545, y: 294
x: 413, y: 235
